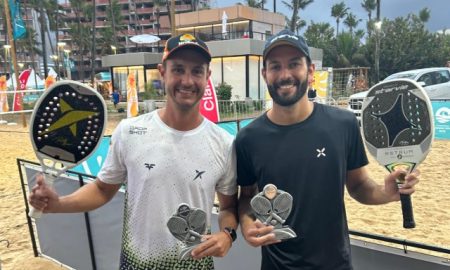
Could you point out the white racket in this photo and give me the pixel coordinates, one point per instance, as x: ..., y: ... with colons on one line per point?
x: 66, y: 127
x: 397, y: 123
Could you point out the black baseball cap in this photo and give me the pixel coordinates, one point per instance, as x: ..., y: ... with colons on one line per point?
x: 286, y: 37
x: 185, y: 41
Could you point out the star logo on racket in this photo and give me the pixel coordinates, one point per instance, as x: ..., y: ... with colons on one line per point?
x: 395, y: 120
x: 70, y: 117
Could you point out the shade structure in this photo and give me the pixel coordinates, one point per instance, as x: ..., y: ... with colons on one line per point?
x: 144, y: 39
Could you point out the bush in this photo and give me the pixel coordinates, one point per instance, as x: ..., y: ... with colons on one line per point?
x: 223, y: 91
x: 150, y: 92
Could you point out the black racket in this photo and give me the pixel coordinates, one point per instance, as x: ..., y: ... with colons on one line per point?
x: 398, y: 129
x: 66, y: 127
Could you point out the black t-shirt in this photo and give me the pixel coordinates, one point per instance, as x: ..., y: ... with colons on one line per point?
x: 309, y: 160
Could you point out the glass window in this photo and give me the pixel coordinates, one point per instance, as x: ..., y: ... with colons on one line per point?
x: 253, y: 79
x: 426, y: 78
x: 120, y: 75
x: 216, y: 71
x: 234, y: 75
x: 154, y: 78
x: 139, y: 73
x: 443, y: 76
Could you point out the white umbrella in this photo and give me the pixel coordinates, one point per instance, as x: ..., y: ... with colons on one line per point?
x: 144, y: 38
x: 224, y: 23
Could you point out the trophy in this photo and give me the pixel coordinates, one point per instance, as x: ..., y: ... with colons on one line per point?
x: 187, y: 225
x: 272, y: 207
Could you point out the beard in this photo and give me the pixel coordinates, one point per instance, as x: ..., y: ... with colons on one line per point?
x: 301, y: 87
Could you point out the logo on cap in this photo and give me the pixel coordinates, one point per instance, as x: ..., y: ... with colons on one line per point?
x: 187, y: 38
x: 283, y: 36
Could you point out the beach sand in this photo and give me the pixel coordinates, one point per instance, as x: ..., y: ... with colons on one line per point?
x: 431, y: 204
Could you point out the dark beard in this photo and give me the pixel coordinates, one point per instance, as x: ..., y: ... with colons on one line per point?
x: 301, y: 86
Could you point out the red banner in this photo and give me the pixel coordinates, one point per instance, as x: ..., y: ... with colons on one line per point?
x: 23, y: 79
x: 208, y: 104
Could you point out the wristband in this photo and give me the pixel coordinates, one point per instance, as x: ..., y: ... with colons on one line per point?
x: 231, y: 233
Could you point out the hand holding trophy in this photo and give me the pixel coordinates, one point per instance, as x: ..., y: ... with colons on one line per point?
x: 188, y: 225
x: 272, y: 207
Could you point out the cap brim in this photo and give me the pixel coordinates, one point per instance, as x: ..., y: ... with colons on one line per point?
x: 193, y: 46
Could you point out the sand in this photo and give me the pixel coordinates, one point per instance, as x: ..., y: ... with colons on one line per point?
x: 431, y: 204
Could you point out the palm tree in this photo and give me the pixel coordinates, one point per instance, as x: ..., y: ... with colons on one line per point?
x: 339, y: 11
x: 351, y: 21
x: 424, y: 15
x: 255, y: 3
x: 296, y: 5
x: 80, y: 32
x: 156, y: 5
x: 369, y: 6
x: 299, y: 24
x: 109, y: 34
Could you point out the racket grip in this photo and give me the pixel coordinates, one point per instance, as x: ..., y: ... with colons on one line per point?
x: 407, y: 210
x: 34, y: 213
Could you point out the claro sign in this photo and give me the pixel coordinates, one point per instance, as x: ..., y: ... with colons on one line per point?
x: 208, y: 104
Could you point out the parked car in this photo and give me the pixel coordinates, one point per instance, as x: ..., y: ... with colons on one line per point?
x: 435, y: 81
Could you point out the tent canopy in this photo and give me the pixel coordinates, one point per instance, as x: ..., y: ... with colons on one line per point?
x: 33, y: 81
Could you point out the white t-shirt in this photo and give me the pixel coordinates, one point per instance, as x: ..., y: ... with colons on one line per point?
x: 162, y: 168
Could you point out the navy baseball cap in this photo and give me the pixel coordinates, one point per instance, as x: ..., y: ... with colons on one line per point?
x: 186, y: 41
x: 286, y: 37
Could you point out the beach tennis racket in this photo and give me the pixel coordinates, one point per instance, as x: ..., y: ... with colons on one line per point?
x: 66, y: 127
x: 398, y: 130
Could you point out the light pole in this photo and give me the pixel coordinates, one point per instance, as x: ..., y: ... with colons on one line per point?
x: 54, y: 57
x: 60, y: 55
x: 377, y: 43
x: 67, y: 64
x: 7, y: 48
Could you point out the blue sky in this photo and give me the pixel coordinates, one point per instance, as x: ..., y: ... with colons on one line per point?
x: 320, y: 10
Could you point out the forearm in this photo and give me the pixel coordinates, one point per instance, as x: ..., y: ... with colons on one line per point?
x: 227, y: 211
x: 228, y: 218
x: 244, y: 210
x: 87, y: 198
x: 371, y: 193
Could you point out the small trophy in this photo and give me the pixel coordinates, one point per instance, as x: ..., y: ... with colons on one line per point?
x: 187, y: 225
x: 272, y: 207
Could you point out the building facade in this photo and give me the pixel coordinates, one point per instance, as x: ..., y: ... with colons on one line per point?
x: 236, y: 46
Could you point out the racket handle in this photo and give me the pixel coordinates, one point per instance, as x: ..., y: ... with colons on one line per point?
x: 34, y: 213
x: 407, y: 210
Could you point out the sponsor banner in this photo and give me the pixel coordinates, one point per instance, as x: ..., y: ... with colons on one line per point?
x: 49, y: 81
x: 441, y: 112
x: 320, y: 83
x: 208, y: 104
x: 23, y: 80
x: 3, y: 98
x: 132, y: 97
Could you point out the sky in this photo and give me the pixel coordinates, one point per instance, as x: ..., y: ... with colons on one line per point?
x: 320, y: 10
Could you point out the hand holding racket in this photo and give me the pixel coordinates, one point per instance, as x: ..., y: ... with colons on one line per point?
x: 398, y: 130
x: 66, y: 127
